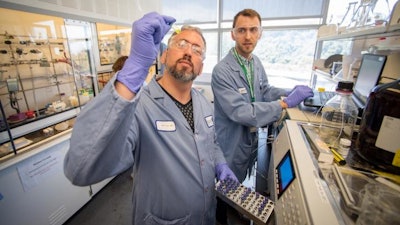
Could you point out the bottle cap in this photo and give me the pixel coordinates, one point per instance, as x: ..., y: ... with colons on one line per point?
x: 345, y: 142
x: 345, y: 86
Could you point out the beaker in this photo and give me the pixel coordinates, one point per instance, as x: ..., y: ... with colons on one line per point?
x: 380, y: 205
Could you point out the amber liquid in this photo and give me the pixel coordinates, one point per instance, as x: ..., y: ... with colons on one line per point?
x: 383, y: 101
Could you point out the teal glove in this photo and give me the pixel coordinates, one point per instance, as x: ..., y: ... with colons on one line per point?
x: 147, y: 34
x: 297, y: 95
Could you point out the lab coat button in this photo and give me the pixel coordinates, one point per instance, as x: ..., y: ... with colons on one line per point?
x: 202, y: 162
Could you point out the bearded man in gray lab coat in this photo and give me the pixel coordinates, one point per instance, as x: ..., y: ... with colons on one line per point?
x: 165, y: 130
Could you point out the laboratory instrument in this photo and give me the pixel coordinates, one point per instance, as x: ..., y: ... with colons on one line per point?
x: 299, y: 191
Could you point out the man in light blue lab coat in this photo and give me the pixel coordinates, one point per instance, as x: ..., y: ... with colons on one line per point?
x: 165, y: 130
x: 243, y: 99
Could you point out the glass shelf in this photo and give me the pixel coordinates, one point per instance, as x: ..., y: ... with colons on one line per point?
x: 47, y: 74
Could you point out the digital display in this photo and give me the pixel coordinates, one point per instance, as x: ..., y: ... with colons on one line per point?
x: 368, y: 76
x: 285, y: 173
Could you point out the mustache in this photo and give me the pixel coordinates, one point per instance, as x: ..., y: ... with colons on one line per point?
x: 187, y: 59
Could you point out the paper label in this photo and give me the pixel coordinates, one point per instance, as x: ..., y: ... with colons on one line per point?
x: 388, y: 134
x: 209, y: 121
x: 165, y: 125
x: 242, y: 90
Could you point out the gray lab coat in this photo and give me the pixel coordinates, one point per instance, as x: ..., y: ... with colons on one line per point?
x: 173, y: 168
x: 235, y: 114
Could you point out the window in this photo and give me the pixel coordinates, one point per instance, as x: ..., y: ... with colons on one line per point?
x: 196, y: 11
x: 273, y: 9
x: 341, y: 11
x: 287, y: 55
x: 286, y: 48
x: 212, y: 51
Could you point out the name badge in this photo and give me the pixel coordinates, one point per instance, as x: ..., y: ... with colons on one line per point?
x: 209, y: 121
x: 242, y: 90
x: 165, y: 125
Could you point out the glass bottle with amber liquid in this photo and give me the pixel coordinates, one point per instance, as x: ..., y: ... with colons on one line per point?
x: 378, y: 141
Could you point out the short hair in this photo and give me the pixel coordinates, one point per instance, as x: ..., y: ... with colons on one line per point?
x: 119, y: 63
x: 247, y: 13
x: 191, y: 28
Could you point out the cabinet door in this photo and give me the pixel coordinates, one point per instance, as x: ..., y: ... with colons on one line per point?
x: 46, y: 74
x: 81, y: 59
x: 97, y: 187
x: 36, y: 191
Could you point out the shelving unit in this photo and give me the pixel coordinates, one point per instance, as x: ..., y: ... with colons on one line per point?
x: 46, y: 75
x: 356, y: 33
x: 380, y: 39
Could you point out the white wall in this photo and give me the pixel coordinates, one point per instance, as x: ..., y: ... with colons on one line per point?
x: 121, y: 12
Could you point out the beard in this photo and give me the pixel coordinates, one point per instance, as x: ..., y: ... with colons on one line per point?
x: 184, y: 74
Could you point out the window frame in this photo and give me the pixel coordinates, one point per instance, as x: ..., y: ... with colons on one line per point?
x: 269, y: 24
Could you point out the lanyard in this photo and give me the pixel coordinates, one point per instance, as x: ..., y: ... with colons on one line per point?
x: 248, y: 72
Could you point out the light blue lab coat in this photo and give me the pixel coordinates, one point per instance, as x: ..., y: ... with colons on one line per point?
x: 173, y: 168
x: 235, y: 114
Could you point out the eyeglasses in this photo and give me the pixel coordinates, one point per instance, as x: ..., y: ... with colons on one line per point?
x: 243, y: 30
x: 182, y: 44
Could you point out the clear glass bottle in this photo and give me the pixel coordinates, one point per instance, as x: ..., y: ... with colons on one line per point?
x: 339, y: 115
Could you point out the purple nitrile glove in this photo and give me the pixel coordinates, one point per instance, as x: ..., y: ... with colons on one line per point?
x: 298, y: 94
x: 147, y: 34
x: 294, y: 88
x: 224, y: 172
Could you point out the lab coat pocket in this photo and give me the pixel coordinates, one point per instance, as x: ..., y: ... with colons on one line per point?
x: 243, y: 154
x: 241, y: 161
x: 153, y: 220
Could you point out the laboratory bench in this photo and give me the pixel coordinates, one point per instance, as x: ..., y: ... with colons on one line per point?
x: 304, y: 113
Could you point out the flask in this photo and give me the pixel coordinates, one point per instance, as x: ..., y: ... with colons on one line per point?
x: 378, y: 141
x: 339, y: 115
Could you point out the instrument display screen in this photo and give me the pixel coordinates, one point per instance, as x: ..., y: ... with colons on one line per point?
x: 286, y: 173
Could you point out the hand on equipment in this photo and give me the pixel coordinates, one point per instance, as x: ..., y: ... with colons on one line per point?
x: 289, y: 92
x: 297, y: 95
x: 224, y: 172
x: 147, y: 34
